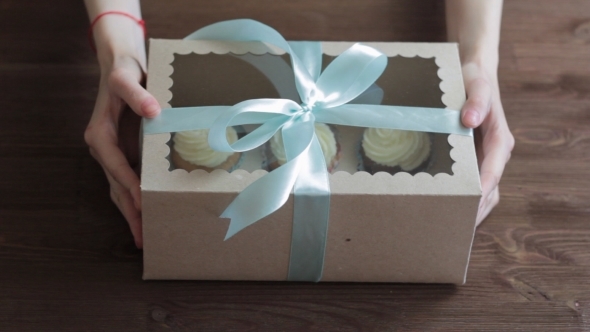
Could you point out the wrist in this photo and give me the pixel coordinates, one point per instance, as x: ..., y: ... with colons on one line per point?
x: 473, y: 71
x: 479, y: 58
x: 117, y: 36
x: 482, y: 54
x: 475, y: 25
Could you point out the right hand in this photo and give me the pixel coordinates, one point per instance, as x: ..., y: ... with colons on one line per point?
x: 483, y: 110
x: 120, y: 85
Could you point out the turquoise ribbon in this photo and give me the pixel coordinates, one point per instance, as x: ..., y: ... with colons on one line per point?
x: 325, y: 97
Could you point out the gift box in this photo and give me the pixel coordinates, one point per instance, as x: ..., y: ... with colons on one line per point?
x: 381, y: 227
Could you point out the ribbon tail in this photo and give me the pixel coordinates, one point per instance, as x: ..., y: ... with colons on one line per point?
x: 261, y: 198
x: 310, y: 218
x: 269, y: 193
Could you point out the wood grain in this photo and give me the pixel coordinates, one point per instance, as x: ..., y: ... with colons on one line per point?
x: 67, y: 260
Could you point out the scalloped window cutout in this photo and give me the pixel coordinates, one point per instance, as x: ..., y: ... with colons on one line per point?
x: 227, y: 79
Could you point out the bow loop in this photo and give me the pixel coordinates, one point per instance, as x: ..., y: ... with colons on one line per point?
x: 250, y: 30
x: 310, y: 54
x: 349, y: 75
x: 283, y: 109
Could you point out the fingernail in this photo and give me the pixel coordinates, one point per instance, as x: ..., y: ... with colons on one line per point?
x: 472, y: 118
x: 151, y: 109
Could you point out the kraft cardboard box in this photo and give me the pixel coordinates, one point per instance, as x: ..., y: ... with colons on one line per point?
x: 382, y: 228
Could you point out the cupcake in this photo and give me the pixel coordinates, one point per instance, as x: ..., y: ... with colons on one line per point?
x: 328, y: 142
x: 191, y: 151
x: 392, y: 151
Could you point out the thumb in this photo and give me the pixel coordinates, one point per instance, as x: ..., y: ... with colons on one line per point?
x: 478, y: 104
x: 124, y: 83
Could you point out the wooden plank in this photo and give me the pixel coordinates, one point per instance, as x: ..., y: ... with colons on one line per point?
x: 375, y: 20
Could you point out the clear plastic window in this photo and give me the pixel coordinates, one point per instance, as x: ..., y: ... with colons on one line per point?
x: 227, y: 79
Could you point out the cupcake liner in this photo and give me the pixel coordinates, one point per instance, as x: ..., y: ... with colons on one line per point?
x: 267, y: 157
x: 357, y: 149
x: 238, y: 163
x: 338, y: 155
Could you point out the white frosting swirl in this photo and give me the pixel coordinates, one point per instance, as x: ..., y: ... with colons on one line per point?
x: 193, y: 147
x: 325, y: 136
x: 392, y: 147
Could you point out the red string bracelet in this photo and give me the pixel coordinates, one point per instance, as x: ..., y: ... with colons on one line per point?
x: 116, y: 12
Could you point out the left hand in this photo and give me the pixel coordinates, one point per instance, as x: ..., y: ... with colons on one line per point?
x: 112, y: 134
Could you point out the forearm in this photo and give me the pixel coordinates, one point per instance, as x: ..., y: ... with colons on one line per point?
x: 475, y: 25
x: 117, y: 36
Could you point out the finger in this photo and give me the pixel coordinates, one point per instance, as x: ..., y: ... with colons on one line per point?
x: 116, y: 165
x: 478, y: 104
x: 497, y: 146
x: 491, y: 171
x: 125, y: 83
x: 489, y: 204
x: 133, y: 217
x: 497, y: 152
x: 124, y: 202
x: 128, y: 136
x: 478, y: 140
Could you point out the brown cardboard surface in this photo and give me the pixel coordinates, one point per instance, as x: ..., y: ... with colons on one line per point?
x: 385, y: 228
x: 389, y: 238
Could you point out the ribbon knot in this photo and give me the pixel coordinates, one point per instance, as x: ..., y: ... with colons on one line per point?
x: 306, y: 108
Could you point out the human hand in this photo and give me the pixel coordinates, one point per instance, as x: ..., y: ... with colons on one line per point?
x: 120, y: 86
x: 494, y: 141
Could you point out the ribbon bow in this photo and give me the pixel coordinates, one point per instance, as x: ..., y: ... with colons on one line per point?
x: 325, y: 97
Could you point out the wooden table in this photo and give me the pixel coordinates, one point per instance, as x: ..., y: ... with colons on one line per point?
x: 67, y: 259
